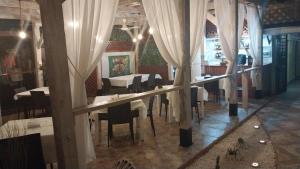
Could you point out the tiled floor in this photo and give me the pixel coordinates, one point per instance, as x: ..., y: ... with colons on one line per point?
x: 281, y: 119
x: 163, y: 151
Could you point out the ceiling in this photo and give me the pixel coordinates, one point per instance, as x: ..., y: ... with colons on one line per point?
x: 133, y: 12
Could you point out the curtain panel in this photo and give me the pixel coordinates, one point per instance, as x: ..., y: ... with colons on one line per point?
x: 225, y: 15
x: 88, y: 25
x: 198, y: 13
x: 255, y: 35
x: 164, y: 16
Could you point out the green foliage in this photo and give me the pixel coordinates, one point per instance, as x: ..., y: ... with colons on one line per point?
x: 149, y: 54
x: 118, y: 35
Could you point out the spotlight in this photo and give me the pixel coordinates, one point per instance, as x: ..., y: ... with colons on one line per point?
x: 151, y: 30
x: 262, y: 142
x: 134, y: 40
x: 140, y: 36
x: 255, y: 164
x: 22, y: 34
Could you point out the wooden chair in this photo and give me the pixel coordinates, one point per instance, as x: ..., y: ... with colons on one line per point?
x: 40, y: 102
x: 120, y: 114
x: 194, y: 103
x: 7, y: 102
x: 213, y: 88
x: 136, y: 86
x: 165, y: 101
x: 150, y: 113
x: 107, y: 89
x: 151, y: 83
x: 24, y: 152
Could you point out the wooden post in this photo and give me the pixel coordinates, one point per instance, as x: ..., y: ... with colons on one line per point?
x: 0, y: 116
x: 59, y: 83
x: 245, y: 89
x: 185, y: 94
x: 233, y: 106
x: 259, y: 87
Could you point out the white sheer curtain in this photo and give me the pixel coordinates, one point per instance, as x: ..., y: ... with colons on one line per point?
x: 198, y: 12
x: 255, y: 33
x: 225, y: 15
x: 88, y: 25
x: 164, y: 16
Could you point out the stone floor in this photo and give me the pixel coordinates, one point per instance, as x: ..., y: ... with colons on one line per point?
x: 281, y: 119
x: 163, y: 151
x: 249, y: 152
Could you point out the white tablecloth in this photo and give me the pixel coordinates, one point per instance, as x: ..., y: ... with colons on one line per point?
x: 125, y: 81
x: 202, y: 96
x: 221, y: 81
x: 27, y: 93
x: 44, y: 126
x: 136, y: 104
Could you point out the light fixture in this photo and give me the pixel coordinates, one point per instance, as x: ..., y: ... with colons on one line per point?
x: 256, y: 126
x: 73, y: 24
x: 124, y: 26
x: 255, y: 164
x: 262, y: 142
x: 134, y: 40
x: 140, y: 36
x: 151, y: 30
x: 22, y: 34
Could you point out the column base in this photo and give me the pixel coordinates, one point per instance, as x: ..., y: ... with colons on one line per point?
x: 258, y: 94
x: 186, y: 137
x: 233, y: 109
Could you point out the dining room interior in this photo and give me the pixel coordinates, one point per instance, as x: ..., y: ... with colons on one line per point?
x: 128, y: 84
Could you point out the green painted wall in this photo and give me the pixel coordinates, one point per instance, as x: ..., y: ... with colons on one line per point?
x: 149, y: 54
x: 148, y: 51
x: 118, y: 35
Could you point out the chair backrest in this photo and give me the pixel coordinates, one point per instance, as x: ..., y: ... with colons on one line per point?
x: 39, y: 99
x: 24, y: 152
x: 137, y: 83
x: 151, y: 81
x: 120, y: 114
x: 194, y: 93
x: 106, y: 84
x: 212, y: 86
x: 151, y: 101
x: 19, y: 90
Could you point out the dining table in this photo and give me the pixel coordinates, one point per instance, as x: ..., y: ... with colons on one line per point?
x: 44, y: 89
x: 173, y: 115
x: 139, y: 104
x: 43, y: 126
x: 126, y: 80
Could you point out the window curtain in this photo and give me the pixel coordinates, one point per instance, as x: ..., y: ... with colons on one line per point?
x: 165, y: 19
x: 88, y: 25
x: 225, y: 15
x: 255, y: 34
x: 198, y: 12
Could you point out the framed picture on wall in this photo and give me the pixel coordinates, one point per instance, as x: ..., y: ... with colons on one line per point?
x: 119, y: 65
x: 116, y: 64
